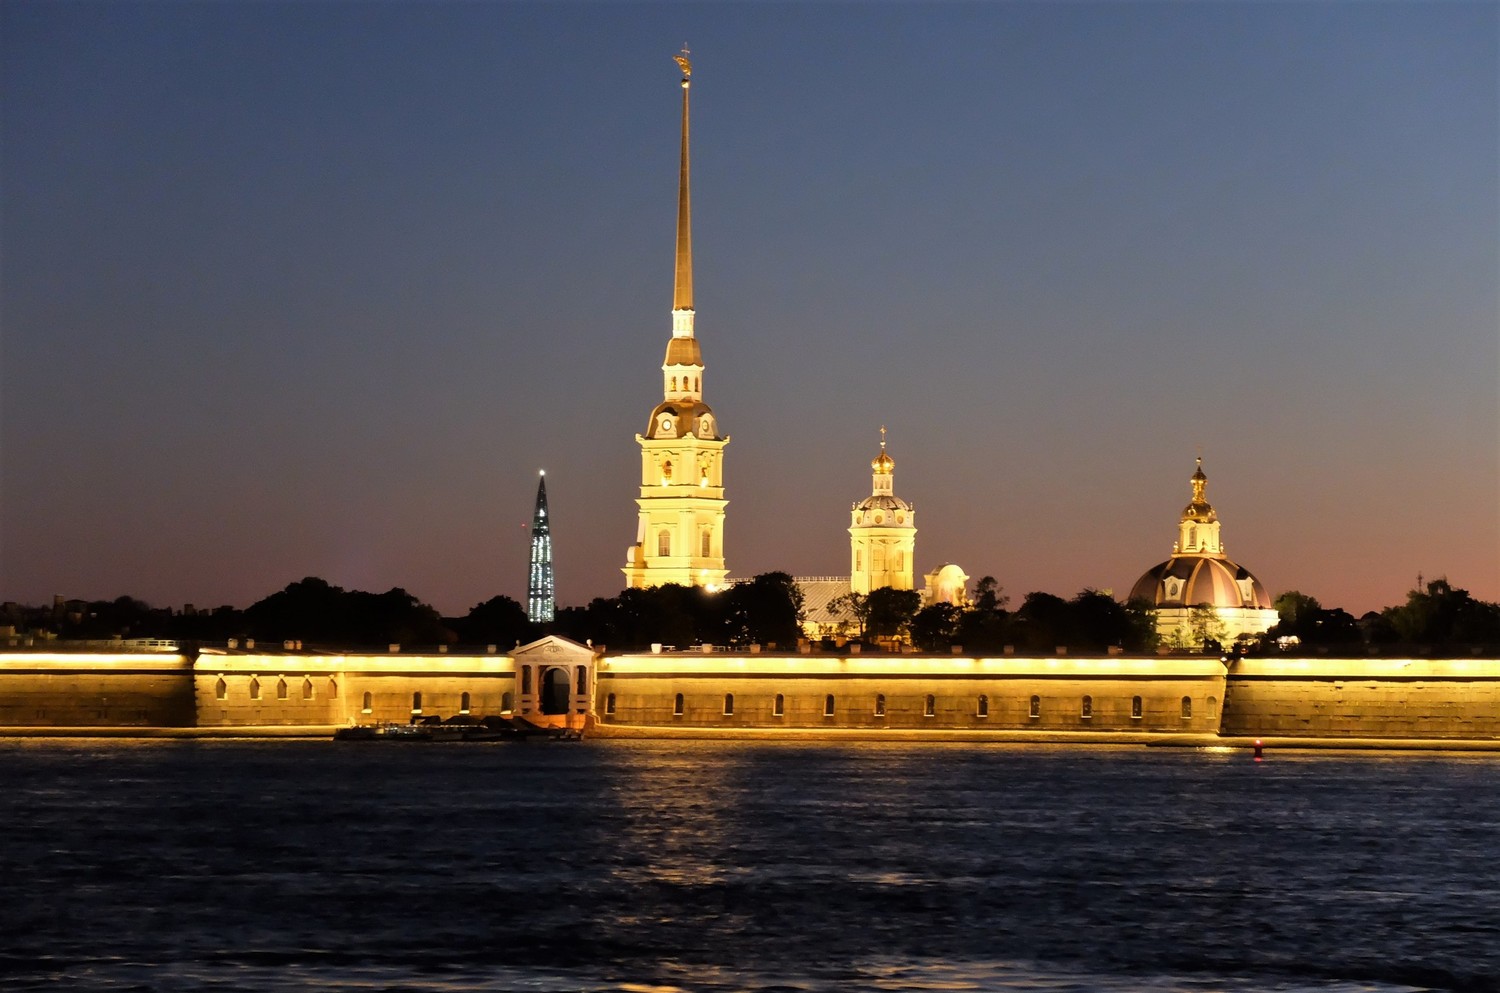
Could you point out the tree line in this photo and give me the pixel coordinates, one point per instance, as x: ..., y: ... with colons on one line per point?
x: 766, y: 610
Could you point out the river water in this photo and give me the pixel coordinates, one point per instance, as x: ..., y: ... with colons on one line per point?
x: 650, y: 867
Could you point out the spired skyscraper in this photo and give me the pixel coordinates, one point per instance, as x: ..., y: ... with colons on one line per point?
x: 541, y: 601
x: 680, y: 534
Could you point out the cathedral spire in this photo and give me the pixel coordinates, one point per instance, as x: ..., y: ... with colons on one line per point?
x: 682, y: 285
x: 540, y: 596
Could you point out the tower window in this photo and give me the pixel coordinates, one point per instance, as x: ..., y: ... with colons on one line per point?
x: 778, y: 706
x: 708, y: 544
x: 674, y: 384
x: 664, y: 543
x: 677, y: 705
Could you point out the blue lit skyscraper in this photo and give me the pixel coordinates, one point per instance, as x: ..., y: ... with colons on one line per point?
x: 540, y: 602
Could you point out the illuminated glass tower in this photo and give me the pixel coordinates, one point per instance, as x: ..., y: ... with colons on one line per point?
x: 540, y: 597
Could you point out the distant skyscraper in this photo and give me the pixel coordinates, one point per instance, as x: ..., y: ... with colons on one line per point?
x: 540, y: 597
x: 680, y: 534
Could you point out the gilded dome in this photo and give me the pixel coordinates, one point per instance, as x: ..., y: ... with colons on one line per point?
x: 1199, y: 510
x: 683, y: 351
x: 1200, y: 581
x: 883, y: 463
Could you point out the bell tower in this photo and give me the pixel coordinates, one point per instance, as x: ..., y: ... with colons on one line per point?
x: 882, y: 532
x: 680, y: 531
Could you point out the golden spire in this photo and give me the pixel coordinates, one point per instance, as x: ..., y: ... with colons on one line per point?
x: 682, y: 286
x: 1199, y: 509
x: 883, y: 464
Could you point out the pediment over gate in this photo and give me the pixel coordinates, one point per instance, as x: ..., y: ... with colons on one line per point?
x: 555, y: 650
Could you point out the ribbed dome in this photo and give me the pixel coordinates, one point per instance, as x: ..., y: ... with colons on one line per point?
x: 882, y: 501
x: 680, y: 418
x: 1200, y: 581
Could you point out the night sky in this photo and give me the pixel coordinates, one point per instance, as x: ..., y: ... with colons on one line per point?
x: 299, y: 289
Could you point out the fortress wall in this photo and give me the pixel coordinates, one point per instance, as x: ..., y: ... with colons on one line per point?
x: 248, y: 689
x: 1370, y: 697
x: 89, y: 689
x: 644, y: 690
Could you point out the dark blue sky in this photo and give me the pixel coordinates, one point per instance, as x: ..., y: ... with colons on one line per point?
x: 314, y: 288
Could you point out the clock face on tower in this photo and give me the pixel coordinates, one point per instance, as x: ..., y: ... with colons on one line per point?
x: 706, y: 427
x: 666, y: 423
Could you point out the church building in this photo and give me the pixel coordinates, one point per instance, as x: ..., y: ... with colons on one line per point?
x: 882, y: 532
x: 680, y: 531
x: 1200, y: 575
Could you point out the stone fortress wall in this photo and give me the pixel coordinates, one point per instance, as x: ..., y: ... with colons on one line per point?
x: 555, y: 680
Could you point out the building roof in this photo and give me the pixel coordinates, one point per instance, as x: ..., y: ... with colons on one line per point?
x: 1200, y: 581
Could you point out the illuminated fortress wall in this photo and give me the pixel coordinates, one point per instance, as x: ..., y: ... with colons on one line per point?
x: 91, y: 689
x: 1117, y: 694
x: 246, y: 689
x: 1372, y: 698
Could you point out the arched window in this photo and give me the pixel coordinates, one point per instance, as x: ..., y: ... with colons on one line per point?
x: 677, y: 705
x: 828, y: 705
x: 674, y: 384
x: 416, y: 702
x: 609, y: 704
x: 583, y: 680
x: 254, y: 688
x: 879, y: 704
x: 664, y: 543
x: 1088, y: 707
x: 507, y: 701
x: 1135, y: 707
x: 463, y: 703
x: 778, y: 707
x: 984, y: 706
x: 728, y: 704
x: 221, y: 689
x: 333, y: 689
x: 929, y: 706
x: 1212, y: 703
x: 1036, y: 707
x: 1187, y: 707
x: 281, y: 689
x: 708, y: 543
x: 369, y: 703
x: 307, y: 688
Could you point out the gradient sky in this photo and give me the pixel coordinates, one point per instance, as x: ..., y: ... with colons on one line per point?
x: 298, y: 289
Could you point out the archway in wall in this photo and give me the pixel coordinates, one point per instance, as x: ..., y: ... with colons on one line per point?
x: 557, y: 690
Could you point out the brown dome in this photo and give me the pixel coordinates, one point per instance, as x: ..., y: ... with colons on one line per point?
x: 1200, y: 581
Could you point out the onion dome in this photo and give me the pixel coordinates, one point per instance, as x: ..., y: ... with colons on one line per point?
x: 883, y: 463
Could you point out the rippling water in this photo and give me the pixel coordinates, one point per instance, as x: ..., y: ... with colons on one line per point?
x: 655, y: 866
